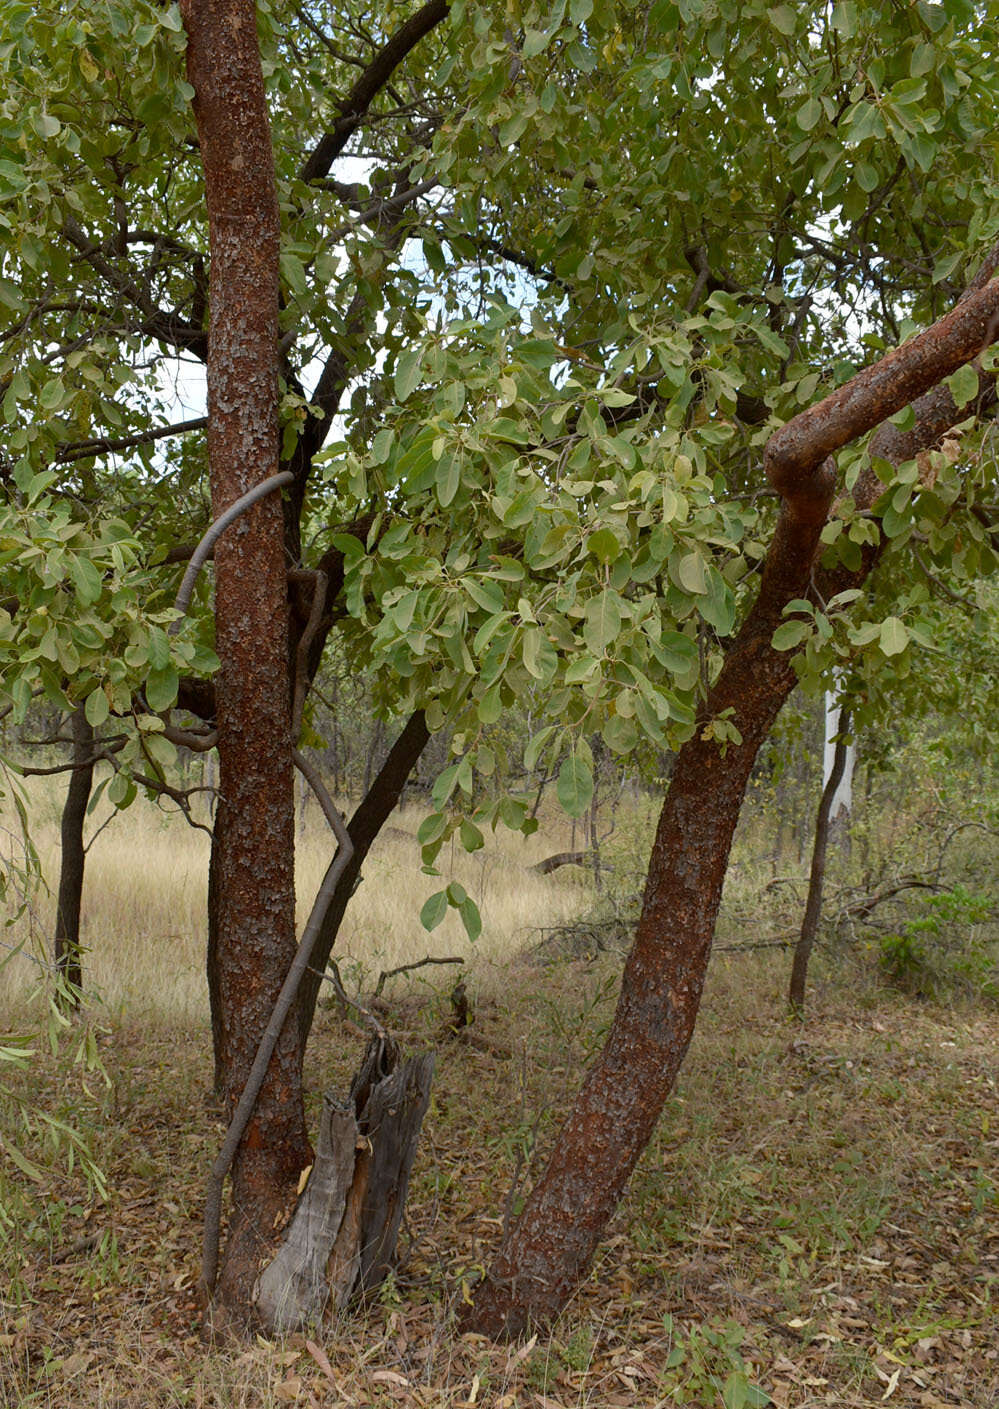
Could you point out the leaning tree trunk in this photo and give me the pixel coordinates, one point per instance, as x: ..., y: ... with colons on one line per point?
x: 817, y: 875
x: 72, y: 861
x: 371, y: 815
x: 253, y: 884
x: 552, y: 1243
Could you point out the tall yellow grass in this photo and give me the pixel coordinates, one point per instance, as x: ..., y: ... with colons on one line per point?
x: 145, y: 900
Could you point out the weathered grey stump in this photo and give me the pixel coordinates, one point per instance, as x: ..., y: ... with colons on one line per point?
x: 342, y: 1236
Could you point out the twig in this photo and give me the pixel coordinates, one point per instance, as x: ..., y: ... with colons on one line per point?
x: 331, y: 975
x: 407, y: 968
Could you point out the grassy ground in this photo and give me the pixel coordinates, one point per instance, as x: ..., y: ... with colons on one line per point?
x: 817, y: 1215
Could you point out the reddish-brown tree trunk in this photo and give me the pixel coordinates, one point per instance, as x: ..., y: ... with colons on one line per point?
x: 548, y: 1249
x: 554, y: 1240
x: 253, y: 886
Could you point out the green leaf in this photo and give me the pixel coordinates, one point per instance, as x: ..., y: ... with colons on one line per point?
x: 963, y: 385
x: 52, y: 394
x: 434, y: 910
x: 432, y: 828
x: 121, y: 790
x: 536, y: 746
x: 575, y: 785
x: 470, y: 918
x: 293, y: 273
x: 448, y: 479
x: 161, y: 688
x: 158, y: 651
x: 603, y: 621
x: 484, y: 593
x: 808, y: 114
x: 490, y: 706
x: 381, y: 446
x: 408, y: 369
x: 894, y: 636
x: 782, y: 18
x: 790, y: 634
x: 620, y: 734
x: 603, y: 545
x: 690, y: 574
x: 23, y: 1163
x: 96, y: 708
x: 10, y: 295
x: 86, y: 580
x: 539, y: 656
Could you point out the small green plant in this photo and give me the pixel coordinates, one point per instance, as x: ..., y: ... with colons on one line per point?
x: 705, y: 1366
x: 941, y: 952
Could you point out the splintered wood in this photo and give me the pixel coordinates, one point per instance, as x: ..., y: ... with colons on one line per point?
x: 342, y: 1235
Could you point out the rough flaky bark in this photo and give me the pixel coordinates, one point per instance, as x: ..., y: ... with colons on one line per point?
x: 547, y: 1250
x: 73, y: 859
x: 817, y: 875
x: 253, y: 885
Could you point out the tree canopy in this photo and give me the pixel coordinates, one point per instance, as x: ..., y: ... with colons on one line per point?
x: 552, y: 281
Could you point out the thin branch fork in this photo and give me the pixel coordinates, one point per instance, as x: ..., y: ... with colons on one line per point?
x: 386, y: 974
x: 368, y: 86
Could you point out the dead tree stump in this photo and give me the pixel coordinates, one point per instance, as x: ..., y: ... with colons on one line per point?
x: 342, y: 1236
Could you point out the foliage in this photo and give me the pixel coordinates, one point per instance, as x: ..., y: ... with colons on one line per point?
x: 552, y: 419
x: 942, y: 951
x: 584, y: 260
x: 60, y: 1135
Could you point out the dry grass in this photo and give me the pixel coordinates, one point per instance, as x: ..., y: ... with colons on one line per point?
x: 144, y: 925
x: 817, y: 1213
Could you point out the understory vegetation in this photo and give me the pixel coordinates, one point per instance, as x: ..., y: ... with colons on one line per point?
x: 814, y: 1223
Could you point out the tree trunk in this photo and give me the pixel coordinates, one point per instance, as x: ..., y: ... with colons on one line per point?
x: 72, y: 860
x: 547, y: 1250
x: 842, y: 802
x: 343, y: 1234
x: 253, y: 878
x: 378, y: 804
x: 816, y: 880
x: 553, y: 1241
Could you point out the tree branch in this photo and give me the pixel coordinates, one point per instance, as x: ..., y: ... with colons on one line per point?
x: 103, y: 445
x: 369, y: 84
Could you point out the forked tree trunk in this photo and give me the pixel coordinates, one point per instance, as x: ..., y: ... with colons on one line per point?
x: 817, y: 876
x: 72, y: 861
x: 253, y: 881
x: 552, y: 1243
